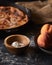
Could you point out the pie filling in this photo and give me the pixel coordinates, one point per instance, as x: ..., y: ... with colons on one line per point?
x: 11, y: 17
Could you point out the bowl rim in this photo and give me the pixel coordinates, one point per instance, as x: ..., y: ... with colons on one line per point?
x: 6, y: 44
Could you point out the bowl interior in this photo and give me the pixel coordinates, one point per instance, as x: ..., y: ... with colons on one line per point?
x: 19, y: 38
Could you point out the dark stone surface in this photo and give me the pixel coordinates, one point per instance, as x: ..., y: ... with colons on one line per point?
x: 33, y: 56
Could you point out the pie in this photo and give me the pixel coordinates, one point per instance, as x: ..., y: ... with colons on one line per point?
x: 11, y: 17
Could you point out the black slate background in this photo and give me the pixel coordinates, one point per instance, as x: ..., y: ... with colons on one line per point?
x: 33, y: 56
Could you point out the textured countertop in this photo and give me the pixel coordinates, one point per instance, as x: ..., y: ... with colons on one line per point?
x: 33, y: 56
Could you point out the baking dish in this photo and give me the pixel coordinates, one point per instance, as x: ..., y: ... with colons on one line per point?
x: 25, y: 10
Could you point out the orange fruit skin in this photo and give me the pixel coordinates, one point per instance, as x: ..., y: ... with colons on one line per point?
x: 47, y: 28
x: 45, y: 38
x: 42, y: 40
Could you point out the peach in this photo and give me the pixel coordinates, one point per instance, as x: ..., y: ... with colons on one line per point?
x: 50, y: 29
x: 47, y: 28
x: 42, y: 40
x: 45, y: 38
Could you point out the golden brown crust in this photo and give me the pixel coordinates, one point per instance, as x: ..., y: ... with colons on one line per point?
x: 11, y: 17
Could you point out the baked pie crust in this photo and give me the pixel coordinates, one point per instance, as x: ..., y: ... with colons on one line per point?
x: 11, y: 17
